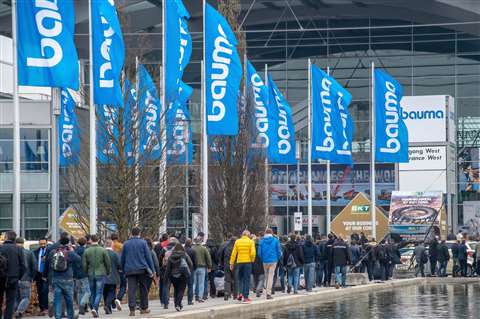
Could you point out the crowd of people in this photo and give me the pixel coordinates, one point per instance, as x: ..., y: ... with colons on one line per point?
x: 90, y: 274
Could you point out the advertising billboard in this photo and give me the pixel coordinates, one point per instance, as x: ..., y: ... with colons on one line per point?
x: 413, y: 214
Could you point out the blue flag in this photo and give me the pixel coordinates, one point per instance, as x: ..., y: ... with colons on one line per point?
x: 390, y: 130
x: 107, y: 134
x: 332, y: 129
x: 46, y: 49
x: 178, y: 47
x: 108, y: 53
x: 223, y: 73
x: 68, y: 132
x: 283, y: 138
x: 149, y: 116
x: 128, y: 120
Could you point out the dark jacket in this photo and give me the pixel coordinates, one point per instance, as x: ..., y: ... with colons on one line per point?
x: 294, y: 248
x: 191, y: 253
x: 455, y: 250
x: 462, y: 252
x: 30, y: 264
x: 73, y: 261
x: 310, y: 252
x: 341, y: 253
x: 174, y: 262
x: 356, y: 253
x: 213, y: 250
x: 420, y: 254
x: 329, y: 248
x: 257, y: 264
x: 79, y: 273
x: 322, y: 251
x: 96, y: 261
x: 136, y: 257
x: 16, y: 261
x: 115, y: 267
x: 443, y: 254
x: 40, y: 266
x: 433, y: 250
x: 224, y: 254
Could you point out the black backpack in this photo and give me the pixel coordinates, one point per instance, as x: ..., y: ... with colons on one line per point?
x: 3, y: 266
x: 59, y: 261
x: 291, y: 262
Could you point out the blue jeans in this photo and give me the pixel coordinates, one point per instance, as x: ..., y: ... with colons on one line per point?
x: 321, y: 272
x: 123, y: 286
x: 63, y: 289
x: 96, y: 289
x: 24, y: 294
x: 442, y: 271
x: 341, y: 275
x: 281, y: 275
x: 83, y: 291
x: 244, y: 273
x: 200, y: 274
x: 309, y: 273
x: 190, y: 282
x: 294, y: 278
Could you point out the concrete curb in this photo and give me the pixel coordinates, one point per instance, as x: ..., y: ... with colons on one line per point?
x: 236, y: 310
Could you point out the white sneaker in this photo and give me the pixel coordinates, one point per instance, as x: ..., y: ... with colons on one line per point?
x: 118, y: 304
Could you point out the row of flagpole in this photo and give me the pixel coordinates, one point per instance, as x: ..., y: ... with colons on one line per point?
x: 206, y: 113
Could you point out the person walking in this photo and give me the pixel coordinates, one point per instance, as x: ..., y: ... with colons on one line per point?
x: 163, y: 251
x: 191, y: 280
x: 81, y: 278
x: 60, y: 264
x: 330, y: 267
x: 322, y: 261
x: 456, y: 264
x: 293, y: 261
x: 230, y: 286
x: 97, y: 265
x: 210, y: 277
x: 137, y: 264
x: 341, y: 258
x: 421, y: 257
x: 12, y: 269
x: 310, y: 254
x: 40, y: 281
x: 433, y: 256
x: 25, y: 283
x: 243, y: 255
x: 156, y: 265
x: 179, y: 269
x: 257, y: 271
x: 112, y: 280
x: 371, y: 258
x: 269, y: 252
x: 443, y: 258
x: 204, y: 263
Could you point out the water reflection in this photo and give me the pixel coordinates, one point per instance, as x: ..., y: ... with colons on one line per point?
x: 426, y: 301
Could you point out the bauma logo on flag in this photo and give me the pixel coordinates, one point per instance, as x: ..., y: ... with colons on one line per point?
x: 260, y: 98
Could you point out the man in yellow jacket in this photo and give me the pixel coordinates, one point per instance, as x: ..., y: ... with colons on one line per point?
x: 243, y: 255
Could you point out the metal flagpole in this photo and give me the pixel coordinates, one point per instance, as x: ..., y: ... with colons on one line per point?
x: 55, y: 109
x: 16, y: 204
x: 163, y: 158
x: 329, y: 186
x: 309, y: 142
x: 267, y: 186
x: 204, y: 137
x: 93, y: 135
x: 372, y: 155
x: 187, y: 206
x: 137, y: 145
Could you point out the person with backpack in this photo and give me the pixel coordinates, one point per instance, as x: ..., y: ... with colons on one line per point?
x: 137, y: 264
x: 243, y: 255
x: 25, y: 283
x: 293, y: 261
x: 163, y: 253
x: 341, y: 258
x: 12, y: 269
x: 112, y: 280
x: 97, y: 265
x: 269, y: 252
x: 230, y: 289
x: 61, y: 262
x: 204, y: 263
x: 179, y: 269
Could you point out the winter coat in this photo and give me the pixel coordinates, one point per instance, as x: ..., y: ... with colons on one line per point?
x: 443, y: 254
x: 213, y: 250
x: 30, y: 263
x: 322, y: 251
x: 310, y: 253
x: 78, y: 271
x: 115, y: 268
x: 16, y: 262
x: 224, y: 254
x: 356, y: 253
x: 136, y: 257
x: 191, y: 253
x: 294, y: 248
x: 73, y: 261
x: 462, y: 252
x: 455, y: 250
x: 341, y: 253
x: 243, y: 251
x: 96, y: 261
x: 257, y: 264
x: 329, y: 249
x: 269, y: 250
x: 203, y: 256
x: 174, y: 262
x: 420, y: 254
x: 433, y: 250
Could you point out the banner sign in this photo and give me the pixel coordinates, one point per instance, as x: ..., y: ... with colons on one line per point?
x: 283, y: 139
x: 46, y: 49
x: 108, y: 53
x: 332, y: 131
x: 68, y: 132
x: 149, y: 116
x: 223, y: 73
x: 178, y: 47
x: 107, y: 133
x: 390, y: 130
